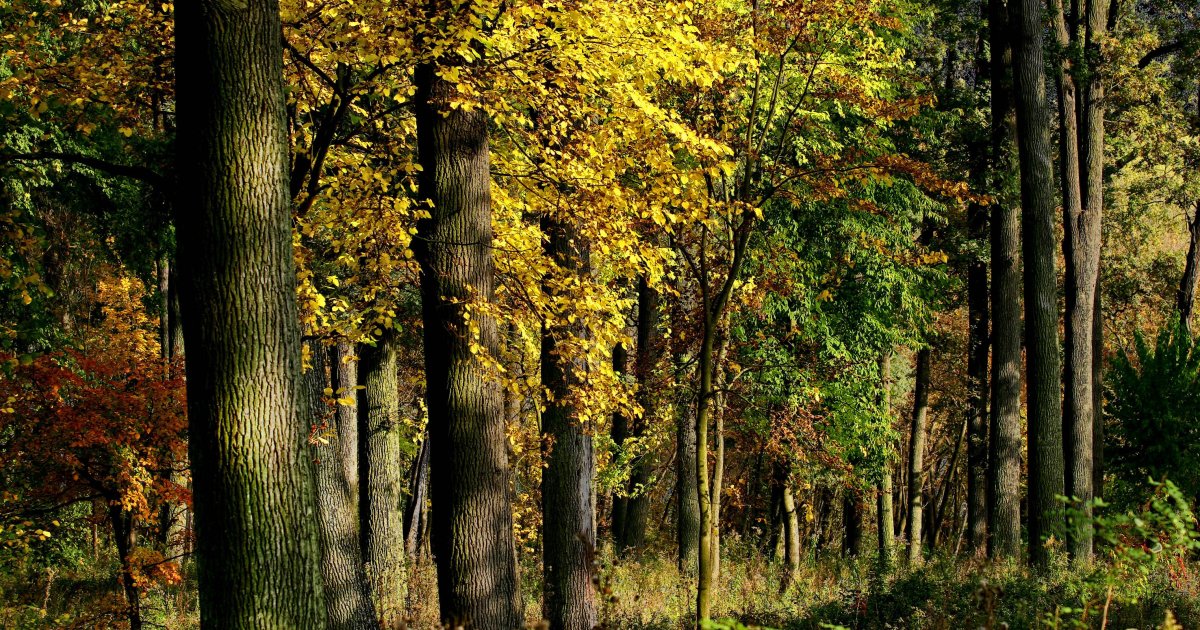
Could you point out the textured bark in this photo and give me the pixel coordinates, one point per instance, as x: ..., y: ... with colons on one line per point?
x: 1041, y: 312
x: 916, y: 456
x: 257, y: 543
x: 649, y: 354
x: 382, y: 484
x: 471, y: 515
x: 174, y: 315
x: 977, y: 378
x: 1004, y: 445
x: 884, y: 509
x: 688, y: 509
x: 568, y: 542
x: 1081, y: 151
x: 343, y: 375
x: 347, y: 597
x: 1185, y: 300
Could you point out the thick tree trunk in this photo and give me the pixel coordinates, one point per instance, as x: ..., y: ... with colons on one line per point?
x: 977, y: 377
x: 649, y: 353
x: 1041, y: 312
x: 382, y: 484
x: 252, y: 468
x: 472, y: 510
x: 1004, y: 445
x: 347, y: 596
x: 916, y: 456
x: 1185, y: 300
x: 568, y: 543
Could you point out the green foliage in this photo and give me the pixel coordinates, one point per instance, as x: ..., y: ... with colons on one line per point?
x: 1154, y: 414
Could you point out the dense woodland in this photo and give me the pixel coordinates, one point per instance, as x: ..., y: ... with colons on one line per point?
x: 574, y: 314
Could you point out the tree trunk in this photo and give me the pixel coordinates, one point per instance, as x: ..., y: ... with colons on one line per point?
x: 885, y: 511
x: 472, y: 511
x: 252, y: 468
x: 977, y: 378
x: 568, y: 543
x: 1004, y: 446
x: 382, y: 484
x: 1185, y: 300
x: 348, y: 599
x: 688, y: 510
x: 916, y: 456
x: 853, y: 512
x: 415, y: 514
x: 619, y: 433
x: 791, y: 527
x: 948, y: 484
x: 343, y: 374
x: 125, y: 536
x: 649, y: 353
x: 1041, y: 312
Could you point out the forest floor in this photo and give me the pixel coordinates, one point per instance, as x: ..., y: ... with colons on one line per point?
x: 649, y: 593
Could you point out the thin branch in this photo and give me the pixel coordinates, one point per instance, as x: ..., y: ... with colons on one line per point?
x: 140, y: 173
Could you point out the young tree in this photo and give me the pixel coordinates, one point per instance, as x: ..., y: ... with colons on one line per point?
x: 252, y: 471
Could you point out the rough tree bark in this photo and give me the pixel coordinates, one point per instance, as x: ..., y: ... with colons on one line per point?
x: 1041, y: 312
x: 254, y: 493
x: 916, y: 456
x: 348, y: 599
x: 977, y: 377
x: 471, y: 519
x: 1185, y: 300
x: 568, y: 542
x: 381, y: 489
x: 343, y: 375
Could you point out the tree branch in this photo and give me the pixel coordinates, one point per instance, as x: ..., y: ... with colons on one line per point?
x: 140, y: 173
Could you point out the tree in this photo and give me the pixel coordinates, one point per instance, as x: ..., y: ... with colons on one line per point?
x: 252, y: 472
x: 916, y: 455
x: 472, y: 513
x: 1041, y: 312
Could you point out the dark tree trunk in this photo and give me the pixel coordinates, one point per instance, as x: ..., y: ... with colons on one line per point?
x: 977, y: 377
x: 619, y: 433
x: 916, y: 456
x: 1004, y: 445
x: 649, y: 354
x: 254, y: 493
x: 382, y: 483
x: 471, y: 511
x: 1185, y: 300
x: 688, y: 529
x: 125, y: 536
x: 415, y: 514
x: 854, y: 510
x: 568, y: 542
x: 1041, y: 312
x: 348, y: 599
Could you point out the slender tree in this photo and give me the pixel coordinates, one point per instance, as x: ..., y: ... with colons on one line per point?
x: 472, y: 511
x: 257, y: 543
x: 885, y: 509
x: 1041, y: 312
x: 916, y: 455
x: 649, y: 354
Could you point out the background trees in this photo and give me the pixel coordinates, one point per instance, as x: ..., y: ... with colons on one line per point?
x: 581, y: 286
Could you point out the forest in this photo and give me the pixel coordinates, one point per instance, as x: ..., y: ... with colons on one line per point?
x: 599, y: 314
